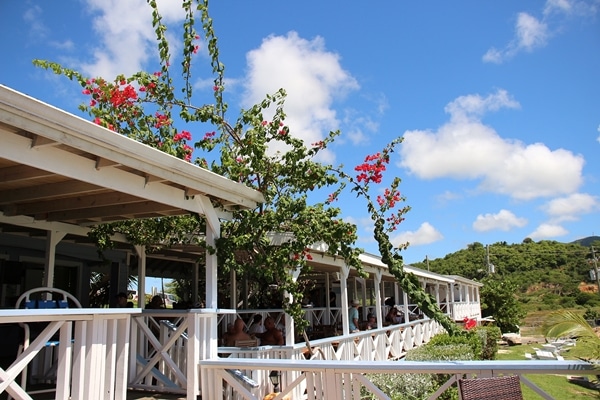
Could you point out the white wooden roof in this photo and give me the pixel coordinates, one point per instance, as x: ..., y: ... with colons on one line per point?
x: 56, y: 167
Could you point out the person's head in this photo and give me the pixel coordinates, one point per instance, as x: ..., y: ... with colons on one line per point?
x: 257, y: 318
x: 269, y: 323
x: 122, y: 299
x: 355, y: 303
x: 371, y: 317
x: 157, y: 301
x: 239, y: 325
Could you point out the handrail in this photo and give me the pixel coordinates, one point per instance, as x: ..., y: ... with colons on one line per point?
x: 564, y: 367
x: 298, y: 376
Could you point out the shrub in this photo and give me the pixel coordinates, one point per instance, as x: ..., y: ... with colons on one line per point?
x: 443, y: 352
x: 469, y: 338
x: 582, y: 298
x: 489, y: 336
x: 400, y: 386
x: 590, y: 314
x: 420, y: 386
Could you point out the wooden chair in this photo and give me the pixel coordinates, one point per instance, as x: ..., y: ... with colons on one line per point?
x: 496, y: 388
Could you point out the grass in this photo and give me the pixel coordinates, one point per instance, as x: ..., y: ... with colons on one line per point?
x: 556, y: 386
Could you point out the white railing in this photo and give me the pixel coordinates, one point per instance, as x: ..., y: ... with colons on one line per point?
x: 315, y: 380
x: 160, y: 347
x: 461, y: 310
x: 163, y: 342
x: 89, y: 359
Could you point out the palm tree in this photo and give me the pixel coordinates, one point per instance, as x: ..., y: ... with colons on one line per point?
x: 566, y: 323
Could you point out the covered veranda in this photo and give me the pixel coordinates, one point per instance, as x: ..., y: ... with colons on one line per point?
x: 62, y: 174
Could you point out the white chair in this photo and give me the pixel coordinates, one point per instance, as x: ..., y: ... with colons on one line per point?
x: 34, y: 299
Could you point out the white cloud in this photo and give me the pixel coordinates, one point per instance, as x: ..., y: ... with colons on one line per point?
x: 64, y: 45
x: 532, y: 33
x: 571, y: 7
x: 312, y: 77
x: 504, y: 220
x: 598, y: 138
x: 473, y: 106
x: 465, y: 148
x: 447, y: 196
x: 546, y: 231
x: 33, y: 18
x: 127, y: 38
x: 571, y: 207
x: 426, y: 234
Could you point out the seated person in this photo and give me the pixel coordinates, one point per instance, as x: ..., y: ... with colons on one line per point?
x: 257, y: 326
x: 271, y: 335
x: 156, y: 303
x: 237, y: 333
x: 371, y: 322
x: 395, y: 315
x: 229, y: 332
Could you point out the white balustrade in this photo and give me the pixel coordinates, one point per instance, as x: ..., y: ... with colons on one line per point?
x: 92, y: 351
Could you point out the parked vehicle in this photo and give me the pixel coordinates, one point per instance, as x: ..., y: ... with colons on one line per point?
x: 169, y: 299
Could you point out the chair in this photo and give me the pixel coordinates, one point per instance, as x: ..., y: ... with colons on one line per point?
x: 496, y: 388
x: 33, y: 299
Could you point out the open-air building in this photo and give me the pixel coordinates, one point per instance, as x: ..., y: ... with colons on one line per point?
x: 62, y: 174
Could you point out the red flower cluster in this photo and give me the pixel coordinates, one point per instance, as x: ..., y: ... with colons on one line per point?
x: 98, y: 121
x: 388, y: 198
x: 305, y: 254
x: 394, y: 220
x: 372, y: 169
x: 188, y: 152
x: 103, y: 92
x: 469, y: 323
x: 161, y: 120
x: 182, y: 135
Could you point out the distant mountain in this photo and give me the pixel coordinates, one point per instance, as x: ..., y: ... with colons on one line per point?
x: 588, y: 241
x: 549, y: 273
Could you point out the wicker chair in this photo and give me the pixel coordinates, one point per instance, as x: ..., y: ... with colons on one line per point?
x: 496, y: 388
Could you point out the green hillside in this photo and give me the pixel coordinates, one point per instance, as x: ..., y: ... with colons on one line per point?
x: 547, y: 274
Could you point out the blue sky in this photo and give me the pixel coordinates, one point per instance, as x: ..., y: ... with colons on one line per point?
x: 498, y: 102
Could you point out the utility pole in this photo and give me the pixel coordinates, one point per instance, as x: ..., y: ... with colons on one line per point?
x: 427, y: 261
x: 595, y: 261
x: 489, y: 265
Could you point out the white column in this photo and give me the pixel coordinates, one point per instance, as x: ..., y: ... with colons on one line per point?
x: 234, y: 300
x: 405, y: 301
x: 378, y: 314
x: 141, y: 252
x: 327, y: 319
x: 290, y: 326
x: 363, y: 295
x: 52, y: 239
x: 452, y: 301
x: 195, y: 279
x: 344, y: 272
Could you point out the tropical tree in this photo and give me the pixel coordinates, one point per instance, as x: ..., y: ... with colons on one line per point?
x: 566, y: 323
x: 498, y: 300
x: 257, y: 149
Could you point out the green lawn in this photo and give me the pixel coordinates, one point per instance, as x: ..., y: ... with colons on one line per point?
x: 556, y: 386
